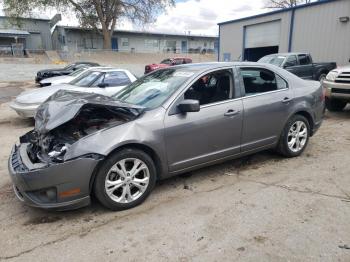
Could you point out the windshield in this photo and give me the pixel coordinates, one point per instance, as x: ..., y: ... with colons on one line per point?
x: 274, y: 60
x: 77, y: 72
x: 86, y: 79
x: 153, y: 90
x: 166, y: 61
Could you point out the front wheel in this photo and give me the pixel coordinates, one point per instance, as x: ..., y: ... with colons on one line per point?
x: 125, y: 180
x: 295, y: 136
x: 322, y: 77
x: 335, y: 104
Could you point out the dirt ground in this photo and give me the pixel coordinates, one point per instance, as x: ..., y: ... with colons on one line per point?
x: 259, y: 208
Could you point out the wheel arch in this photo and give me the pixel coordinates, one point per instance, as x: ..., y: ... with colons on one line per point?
x: 147, y: 149
x: 309, y: 118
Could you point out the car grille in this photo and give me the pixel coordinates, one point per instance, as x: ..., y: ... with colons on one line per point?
x: 343, y: 78
x: 341, y: 91
x: 16, y: 161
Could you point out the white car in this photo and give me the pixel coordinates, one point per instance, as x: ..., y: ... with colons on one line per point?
x: 105, y: 81
x: 68, y: 78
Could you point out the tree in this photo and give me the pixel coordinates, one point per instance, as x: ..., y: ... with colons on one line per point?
x: 101, y: 15
x: 285, y: 3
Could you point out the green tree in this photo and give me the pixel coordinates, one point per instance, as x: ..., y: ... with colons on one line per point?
x: 101, y: 15
x: 285, y: 3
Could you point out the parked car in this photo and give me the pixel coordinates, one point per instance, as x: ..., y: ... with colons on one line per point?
x: 104, y: 81
x: 301, y: 65
x: 42, y: 74
x: 166, y: 123
x: 62, y: 79
x: 65, y: 79
x: 167, y: 63
x: 337, y: 88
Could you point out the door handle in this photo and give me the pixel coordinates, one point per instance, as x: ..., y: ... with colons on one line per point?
x: 287, y: 100
x: 232, y: 112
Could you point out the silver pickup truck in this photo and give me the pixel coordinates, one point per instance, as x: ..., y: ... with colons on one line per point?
x: 337, y: 88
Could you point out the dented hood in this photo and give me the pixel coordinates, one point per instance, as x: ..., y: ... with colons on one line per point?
x: 64, y: 105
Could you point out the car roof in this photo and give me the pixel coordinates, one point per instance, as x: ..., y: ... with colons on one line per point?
x: 106, y: 69
x: 214, y: 65
x: 287, y: 54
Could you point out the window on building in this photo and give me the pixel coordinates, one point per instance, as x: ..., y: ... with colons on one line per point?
x: 151, y: 43
x: 259, y: 80
x: 125, y: 42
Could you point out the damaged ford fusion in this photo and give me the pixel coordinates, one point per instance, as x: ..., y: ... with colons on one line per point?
x: 168, y: 122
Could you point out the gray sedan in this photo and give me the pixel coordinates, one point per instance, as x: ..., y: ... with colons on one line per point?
x: 166, y: 123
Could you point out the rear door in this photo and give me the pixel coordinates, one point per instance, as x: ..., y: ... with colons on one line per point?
x: 267, y: 104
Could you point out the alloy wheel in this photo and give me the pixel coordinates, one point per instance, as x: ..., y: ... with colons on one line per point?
x: 127, y: 180
x: 297, y: 136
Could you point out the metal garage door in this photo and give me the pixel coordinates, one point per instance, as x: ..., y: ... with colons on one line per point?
x: 265, y: 34
x: 34, y: 41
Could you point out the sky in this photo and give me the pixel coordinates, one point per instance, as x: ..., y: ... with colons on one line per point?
x: 196, y: 17
x: 199, y: 17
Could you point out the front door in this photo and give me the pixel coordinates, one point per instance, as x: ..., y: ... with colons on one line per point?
x: 267, y: 104
x: 115, y: 44
x: 212, y: 133
x: 184, y: 46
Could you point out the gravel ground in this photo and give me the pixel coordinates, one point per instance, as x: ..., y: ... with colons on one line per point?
x: 259, y: 208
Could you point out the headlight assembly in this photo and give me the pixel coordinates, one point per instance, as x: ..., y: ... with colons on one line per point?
x: 332, y: 76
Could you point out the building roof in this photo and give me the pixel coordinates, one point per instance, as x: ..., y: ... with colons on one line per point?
x: 319, y: 2
x: 32, y: 15
x: 140, y: 32
x: 13, y: 32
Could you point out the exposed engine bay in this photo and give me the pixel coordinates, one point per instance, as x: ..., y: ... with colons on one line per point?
x: 84, y: 117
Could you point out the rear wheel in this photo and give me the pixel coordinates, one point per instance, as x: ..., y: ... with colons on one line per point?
x: 125, y: 180
x: 335, y: 104
x: 295, y: 136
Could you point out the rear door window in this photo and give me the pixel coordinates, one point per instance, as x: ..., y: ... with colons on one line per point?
x: 116, y: 79
x: 260, y: 80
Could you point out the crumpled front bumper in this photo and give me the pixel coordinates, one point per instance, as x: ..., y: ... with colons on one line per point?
x: 61, y: 186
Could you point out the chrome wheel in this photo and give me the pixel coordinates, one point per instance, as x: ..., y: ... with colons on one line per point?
x: 127, y: 180
x: 297, y: 136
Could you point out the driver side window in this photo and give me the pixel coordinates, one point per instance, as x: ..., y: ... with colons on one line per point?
x: 211, y: 88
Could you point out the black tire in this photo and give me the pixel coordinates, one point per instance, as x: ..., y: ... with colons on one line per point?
x: 322, y: 77
x: 335, y: 105
x: 99, y: 183
x: 282, y: 146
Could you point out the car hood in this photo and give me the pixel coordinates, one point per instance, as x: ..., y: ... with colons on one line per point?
x: 57, y: 79
x: 342, y: 68
x: 58, y: 70
x: 41, y: 94
x: 64, y: 105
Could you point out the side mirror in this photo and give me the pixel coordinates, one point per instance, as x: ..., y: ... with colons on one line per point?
x: 102, y: 85
x: 189, y: 105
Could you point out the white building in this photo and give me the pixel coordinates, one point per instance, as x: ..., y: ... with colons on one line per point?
x: 76, y: 39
